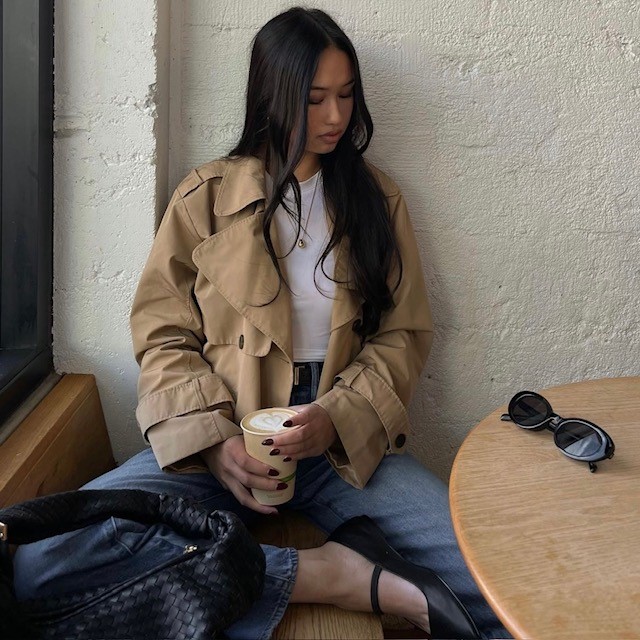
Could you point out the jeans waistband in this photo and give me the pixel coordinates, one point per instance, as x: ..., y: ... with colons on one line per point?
x: 303, y: 372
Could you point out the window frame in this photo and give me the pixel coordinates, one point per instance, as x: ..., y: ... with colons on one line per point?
x: 34, y: 362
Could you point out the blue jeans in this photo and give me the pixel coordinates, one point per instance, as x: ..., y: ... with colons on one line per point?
x: 408, y: 503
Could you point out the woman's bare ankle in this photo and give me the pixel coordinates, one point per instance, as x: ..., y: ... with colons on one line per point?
x: 335, y: 574
x: 315, y: 577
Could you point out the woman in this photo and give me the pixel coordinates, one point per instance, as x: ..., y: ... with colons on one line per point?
x: 287, y: 274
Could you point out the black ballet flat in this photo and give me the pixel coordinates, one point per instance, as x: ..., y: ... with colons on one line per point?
x: 447, y: 616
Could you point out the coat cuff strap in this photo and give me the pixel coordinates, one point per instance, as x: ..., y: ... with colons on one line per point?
x: 198, y: 394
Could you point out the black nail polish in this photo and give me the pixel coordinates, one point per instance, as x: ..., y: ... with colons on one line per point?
x: 267, y: 442
x: 287, y: 423
x: 274, y: 472
x: 281, y: 486
x: 274, y: 452
x: 287, y: 459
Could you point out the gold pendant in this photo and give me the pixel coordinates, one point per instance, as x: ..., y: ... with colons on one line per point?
x: 301, y: 243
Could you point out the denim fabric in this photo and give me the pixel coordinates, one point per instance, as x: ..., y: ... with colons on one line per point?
x: 306, y: 393
x: 407, y: 501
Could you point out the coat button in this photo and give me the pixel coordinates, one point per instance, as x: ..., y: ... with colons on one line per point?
x: 241, y: 341
x: 400, y: 440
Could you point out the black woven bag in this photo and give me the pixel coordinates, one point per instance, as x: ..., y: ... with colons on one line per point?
x: 194, y: 596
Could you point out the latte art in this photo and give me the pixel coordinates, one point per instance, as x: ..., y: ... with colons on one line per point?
x: 269, y: 422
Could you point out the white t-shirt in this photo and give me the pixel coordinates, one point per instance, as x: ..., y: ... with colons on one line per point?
x: 311, y: 302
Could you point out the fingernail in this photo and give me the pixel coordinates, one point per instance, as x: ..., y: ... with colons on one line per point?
x: 287, y: 423
x: 281, y: 486
x: 267, y: 442
x: 273, y: 472
x: 287, y: 459
x: 274, y: 452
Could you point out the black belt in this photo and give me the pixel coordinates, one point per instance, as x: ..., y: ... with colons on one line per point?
x: 302, y: 373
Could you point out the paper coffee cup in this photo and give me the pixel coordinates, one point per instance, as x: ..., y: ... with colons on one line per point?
x: 257, y: 426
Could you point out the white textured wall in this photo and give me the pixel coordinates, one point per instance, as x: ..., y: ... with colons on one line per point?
x: 105, y: 164
x: 512, y: 128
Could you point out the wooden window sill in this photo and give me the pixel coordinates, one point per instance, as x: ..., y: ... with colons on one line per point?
x: 62, y: 444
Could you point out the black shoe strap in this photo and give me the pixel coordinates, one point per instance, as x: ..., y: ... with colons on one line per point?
x: 375, y: 605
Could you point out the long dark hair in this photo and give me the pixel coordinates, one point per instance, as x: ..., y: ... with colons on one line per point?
x: 284, y: 60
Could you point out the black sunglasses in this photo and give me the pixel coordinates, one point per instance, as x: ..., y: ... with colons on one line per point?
x: 576, y: 438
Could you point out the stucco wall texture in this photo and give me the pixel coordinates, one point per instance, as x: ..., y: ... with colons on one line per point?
x: 511, y: 127
x: 104, y: 194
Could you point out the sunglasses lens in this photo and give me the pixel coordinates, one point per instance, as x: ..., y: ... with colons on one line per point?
x: 578, y: 439
x: 529, y: 410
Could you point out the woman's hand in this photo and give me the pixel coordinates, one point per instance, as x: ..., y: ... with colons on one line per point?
x: 311, y: 434
x: 238, y: 472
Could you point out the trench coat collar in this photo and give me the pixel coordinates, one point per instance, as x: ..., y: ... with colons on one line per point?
x: 242, y: 183
x: 235, y: 260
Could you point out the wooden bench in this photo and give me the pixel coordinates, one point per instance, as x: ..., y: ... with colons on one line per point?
x: 63, y: 443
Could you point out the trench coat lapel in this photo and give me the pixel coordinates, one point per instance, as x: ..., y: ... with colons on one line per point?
x: 235, y: 260
x: 237, y: 263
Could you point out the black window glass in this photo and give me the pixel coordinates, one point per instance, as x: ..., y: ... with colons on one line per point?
x: 26, y: 136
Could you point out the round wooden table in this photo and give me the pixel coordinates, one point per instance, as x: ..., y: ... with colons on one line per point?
x: 554, y: 548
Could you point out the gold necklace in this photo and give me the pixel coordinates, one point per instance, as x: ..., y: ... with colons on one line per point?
x: 301, y: 243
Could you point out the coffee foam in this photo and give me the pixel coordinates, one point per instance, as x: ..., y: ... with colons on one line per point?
x: 268, y: 421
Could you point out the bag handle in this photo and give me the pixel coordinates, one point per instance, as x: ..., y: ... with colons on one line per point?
x: 52, y: 515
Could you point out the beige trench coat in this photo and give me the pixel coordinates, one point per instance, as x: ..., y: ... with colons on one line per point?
x: 211, y: 347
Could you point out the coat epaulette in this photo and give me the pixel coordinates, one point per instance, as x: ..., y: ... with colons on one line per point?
x: 191, y: 182
x: 198, y: 176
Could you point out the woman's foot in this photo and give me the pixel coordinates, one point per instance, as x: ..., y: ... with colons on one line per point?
x: 335, y: 574
x: 380, y: 573
x: 396, y: 596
